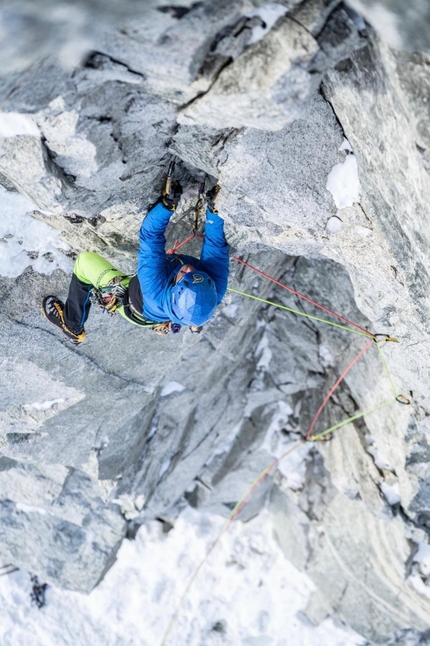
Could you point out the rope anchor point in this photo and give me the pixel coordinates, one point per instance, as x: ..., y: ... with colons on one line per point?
x: 402, y: 399
x: 386, y: 338
x: 321, y: 438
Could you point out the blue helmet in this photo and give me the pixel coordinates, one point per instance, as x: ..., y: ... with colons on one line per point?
x: 194, y: 298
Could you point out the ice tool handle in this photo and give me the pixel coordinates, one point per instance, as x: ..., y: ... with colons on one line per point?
x: 168, y: 184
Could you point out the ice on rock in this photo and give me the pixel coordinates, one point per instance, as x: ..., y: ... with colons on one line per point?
x: 335, y: 225
x: 391, y: 492
x: 171, y: 387
x: 343, y: 182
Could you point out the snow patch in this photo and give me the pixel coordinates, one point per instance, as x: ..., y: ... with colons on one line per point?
x: 73, y: 150
x: 230, y: 311
x: 247, y: 587
x: 164, y: 468
x: 343, y: 182
x: 20, y: 506
x: 264, y: 353
x: 25, y: 241
x: 422, y: 558
x: 130, y: 508
x: 345, y: 145
x: 416, y: 582
x: 391, y: 492
x: 363, y: 232
x: 293, y: 466
x: 44, y: 405
x: 325, y: 356
x: 269, y: 14
x: 379, y: 459
x: 171, y: 387
x: 13, y: 124
x: 334, y: 225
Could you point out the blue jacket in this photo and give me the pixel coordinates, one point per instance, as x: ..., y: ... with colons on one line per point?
x: 157, y: 270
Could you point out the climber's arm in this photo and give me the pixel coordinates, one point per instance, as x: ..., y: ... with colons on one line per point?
x: 215, y: 252
x: 152, y: 269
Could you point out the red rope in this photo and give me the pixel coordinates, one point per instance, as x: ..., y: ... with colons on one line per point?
x: 331, y: 391
x: 309, y: 300
x: 307, y: 436
x: 262, y: 477
x: 177, y: 246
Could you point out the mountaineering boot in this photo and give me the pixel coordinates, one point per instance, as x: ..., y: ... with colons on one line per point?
x: 52, y: 309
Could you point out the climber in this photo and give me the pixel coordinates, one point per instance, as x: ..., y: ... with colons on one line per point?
x: 168, y: 291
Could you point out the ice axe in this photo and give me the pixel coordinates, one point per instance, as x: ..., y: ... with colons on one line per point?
x: 199, y: 205
x: 168, y: 184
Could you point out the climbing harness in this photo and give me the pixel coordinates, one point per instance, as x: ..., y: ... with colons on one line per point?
x: 115, y: 295
x: 373, y: 339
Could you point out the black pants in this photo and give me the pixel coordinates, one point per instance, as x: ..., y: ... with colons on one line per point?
x: 77, y: 306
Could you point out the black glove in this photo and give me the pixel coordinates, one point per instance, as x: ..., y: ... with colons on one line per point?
x: 211, y: 197
x: 171, y: 199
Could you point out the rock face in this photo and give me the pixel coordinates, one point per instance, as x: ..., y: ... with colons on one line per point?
x: 404, y: 26
x: 268, y: 100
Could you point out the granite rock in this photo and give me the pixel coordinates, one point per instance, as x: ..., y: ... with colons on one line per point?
x: 129, y: 427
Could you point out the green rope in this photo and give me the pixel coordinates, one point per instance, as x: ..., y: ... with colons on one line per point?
x: 384, y: 363
x: 299, y: 313
x: 267, y: 470
x: 351, y: 419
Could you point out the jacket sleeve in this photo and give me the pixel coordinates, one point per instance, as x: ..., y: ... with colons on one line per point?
x: 152, y: 266
x: 215, y: 252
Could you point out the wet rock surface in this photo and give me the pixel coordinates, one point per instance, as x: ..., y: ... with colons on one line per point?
x: 131, y: 426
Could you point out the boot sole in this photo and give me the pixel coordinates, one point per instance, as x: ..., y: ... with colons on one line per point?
x: 59, y: 329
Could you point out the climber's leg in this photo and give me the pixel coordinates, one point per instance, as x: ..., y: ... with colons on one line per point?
x: 90, y: 270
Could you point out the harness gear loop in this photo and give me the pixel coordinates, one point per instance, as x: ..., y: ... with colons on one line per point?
x: 403, y: 400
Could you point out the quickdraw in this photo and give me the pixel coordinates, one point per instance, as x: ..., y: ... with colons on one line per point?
x: 111, y: 296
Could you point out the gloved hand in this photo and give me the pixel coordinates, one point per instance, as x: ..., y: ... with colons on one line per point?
x: 170, y: 200
x: 211, y: 197
x: 195, y: 329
